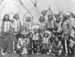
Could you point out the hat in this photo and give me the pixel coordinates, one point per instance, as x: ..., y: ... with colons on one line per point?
x: 28, y: 17
x: 48, y: 33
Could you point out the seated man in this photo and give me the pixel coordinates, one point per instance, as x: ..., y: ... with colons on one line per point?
x: 45, y: 42
x: 57, y: 47
x: 21, y: 46
x: 35, y: 40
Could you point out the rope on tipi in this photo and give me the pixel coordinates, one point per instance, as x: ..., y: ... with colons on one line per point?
x: 25, y: 7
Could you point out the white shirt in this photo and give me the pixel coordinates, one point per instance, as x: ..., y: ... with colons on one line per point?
x: 21, y: 42
x: 71, y: 43
x: 59, y: 26
x: 35, y: 37
x: 72, y: 33
x: 7, y: 26
x: 16, y: 25
x: 65, y: 28
x: 45, y: 40
x: 0, y: 26
x: 73, y: 24
x: 50, y: 24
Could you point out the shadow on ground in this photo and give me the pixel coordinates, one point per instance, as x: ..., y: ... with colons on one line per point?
x: 35, y: 55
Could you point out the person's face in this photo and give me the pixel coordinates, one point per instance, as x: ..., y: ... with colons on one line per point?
x: 58, y: 20
x: 16, y: 16
x: 35, y: 31
x: 50, y: 17
x: 46, y: 35
x: 6, y: 17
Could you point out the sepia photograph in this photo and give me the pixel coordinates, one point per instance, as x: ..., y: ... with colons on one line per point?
x: 37, y: 28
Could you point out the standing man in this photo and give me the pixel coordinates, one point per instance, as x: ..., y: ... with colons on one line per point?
x: 6, y: 35
x: 58, y: 24
x: 16, y: 23
x: 6, y: 23
x: 50, y: 22
x: 16, y: 27
x: 66, y: 28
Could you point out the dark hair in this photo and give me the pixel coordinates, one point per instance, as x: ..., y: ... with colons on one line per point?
x: 50, y: 17
x: 16, y: 16
x: 65, y: 18
x: 6, y: 17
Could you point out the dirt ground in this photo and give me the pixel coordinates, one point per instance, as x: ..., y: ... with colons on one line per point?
x: 35, y: 55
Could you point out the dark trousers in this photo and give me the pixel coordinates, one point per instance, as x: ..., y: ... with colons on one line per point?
x: 71, y: 50
x: 8, y: 46
x: 35, y: 46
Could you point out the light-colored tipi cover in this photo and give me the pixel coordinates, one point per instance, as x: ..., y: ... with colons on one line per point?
x: 11, y: 7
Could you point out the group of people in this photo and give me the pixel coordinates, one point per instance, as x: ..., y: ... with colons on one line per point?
x: 54, y: 36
